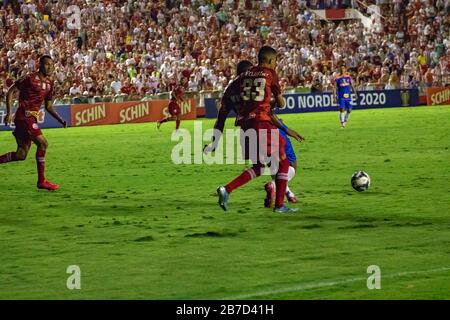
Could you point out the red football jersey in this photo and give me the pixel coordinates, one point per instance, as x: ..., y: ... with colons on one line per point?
x: 174, y: 108
x: 32, y: 92
x: 257, y: 85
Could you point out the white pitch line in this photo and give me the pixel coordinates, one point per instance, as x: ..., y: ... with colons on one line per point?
x: 315, y: 285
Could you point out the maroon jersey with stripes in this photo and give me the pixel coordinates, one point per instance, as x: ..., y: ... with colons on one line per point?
x: 33, y: 92
x: 231, y: 100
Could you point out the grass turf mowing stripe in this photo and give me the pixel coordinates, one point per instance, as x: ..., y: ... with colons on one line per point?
x: 316, y: 285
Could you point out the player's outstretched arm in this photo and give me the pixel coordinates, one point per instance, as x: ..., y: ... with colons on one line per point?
x: 218, y: 126
x: 9, y: 102
x: 335, y: 92
x: 221, y: 118
x: 280, y: 101
x: 294, y: 134
x: 290, y: 132
x: 276, y: 121
x: 354, y: 90
x: 54, y: 114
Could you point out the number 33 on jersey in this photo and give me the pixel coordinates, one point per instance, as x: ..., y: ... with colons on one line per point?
x: 258, y: 84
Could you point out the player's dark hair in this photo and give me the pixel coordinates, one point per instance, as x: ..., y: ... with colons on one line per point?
x: 243, y: 66
x: 266, y: 54
x: 43, y: 57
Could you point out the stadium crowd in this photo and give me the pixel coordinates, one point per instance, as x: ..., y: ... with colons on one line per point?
x: 139, y: 48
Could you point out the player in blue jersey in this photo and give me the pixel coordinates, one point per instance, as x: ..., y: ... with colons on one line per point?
x: 342, y: 91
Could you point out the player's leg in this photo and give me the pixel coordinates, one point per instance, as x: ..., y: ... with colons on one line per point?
x: 270, y: 187
x: 178, y: 121
x: 160, y: 122
x: 249, y: 174
x: 290, y: 153
x: 23, y: 141
x: 20, y: 154
x: 347, y: 115
x: 42, y: 145
x: 244, y: 177
x: 247, y: 154
x: 291, y: 174
x: 342, y: 115
x: 349, y: 110
x: 281, y: 184
x: 8, y: 157
x: 282, y: 175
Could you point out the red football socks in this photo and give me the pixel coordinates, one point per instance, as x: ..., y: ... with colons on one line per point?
x: 40, y: 161
x: 8, y: 157
x: 281, y: 182
x: 178, y: 124
x: 244, y: 177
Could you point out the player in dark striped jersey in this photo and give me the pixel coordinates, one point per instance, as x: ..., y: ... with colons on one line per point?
x: 230, y: 101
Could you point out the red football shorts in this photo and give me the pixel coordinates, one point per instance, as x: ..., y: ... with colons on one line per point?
x: 174, y: 111
x: 26, y: 129
x: 263, y: 146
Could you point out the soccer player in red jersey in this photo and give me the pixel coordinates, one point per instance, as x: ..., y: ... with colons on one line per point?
x: 174, y: 108
x: 231, y: 101
x: 257, y: 85
x: 33, y: 89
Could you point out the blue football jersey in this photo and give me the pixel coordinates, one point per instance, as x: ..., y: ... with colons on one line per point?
x: 289, y: 149
x: 343, y: 87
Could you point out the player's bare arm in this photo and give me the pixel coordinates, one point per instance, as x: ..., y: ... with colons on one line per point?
x: 280, y: 101
x: 219, y: 125
x: 221, y: 118
x: 354, y: 90
x: 54, y: 114
x: 12, y: 91
x: 290, y: 132
x: 276, y: 121
x: 273, y: 104
x: 335, y: 93
x: 294, y: 134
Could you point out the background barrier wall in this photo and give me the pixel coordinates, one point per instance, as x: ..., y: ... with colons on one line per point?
x: 438, y: 96
x: 315, y: 102
x: 127, y: 112
x: 152, y: 110
x: 109, y: 113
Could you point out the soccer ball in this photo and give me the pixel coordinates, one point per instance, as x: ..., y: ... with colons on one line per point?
x: 360, y: 181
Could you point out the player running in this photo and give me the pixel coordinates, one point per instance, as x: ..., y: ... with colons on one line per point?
x: 342, y: 91
x: 174, y: 108
x: 257, y: 85
x: 33, y: 89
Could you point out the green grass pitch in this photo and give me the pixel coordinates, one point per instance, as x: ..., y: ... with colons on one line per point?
x: 140, y: 227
